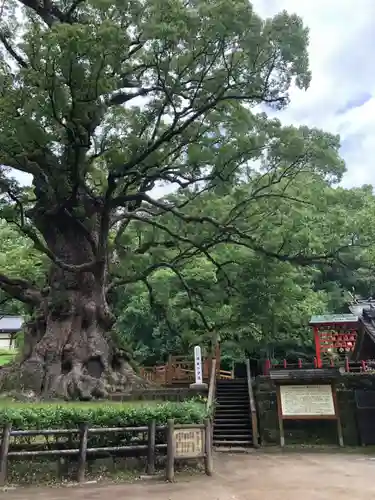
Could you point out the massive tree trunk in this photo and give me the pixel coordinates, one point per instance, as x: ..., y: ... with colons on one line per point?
x: 68, y: 349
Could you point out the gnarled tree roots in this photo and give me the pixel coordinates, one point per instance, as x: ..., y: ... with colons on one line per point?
x: 68, y: 363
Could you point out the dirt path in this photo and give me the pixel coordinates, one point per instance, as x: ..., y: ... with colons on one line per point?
x: 294, y: 476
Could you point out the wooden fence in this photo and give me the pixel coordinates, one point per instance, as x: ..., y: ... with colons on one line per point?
x: 180, y: 371
x: 180, y: 442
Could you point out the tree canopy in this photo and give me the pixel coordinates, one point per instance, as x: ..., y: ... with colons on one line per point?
x: 102, y: 103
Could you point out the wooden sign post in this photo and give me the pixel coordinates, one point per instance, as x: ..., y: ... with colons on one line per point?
x: 307, y: 402
x: 188, y: 442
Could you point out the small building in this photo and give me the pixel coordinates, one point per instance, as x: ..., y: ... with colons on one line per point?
x: 9, y: 327
x: 335, y: 336
x: 346, y: 335
x: 365, y: 309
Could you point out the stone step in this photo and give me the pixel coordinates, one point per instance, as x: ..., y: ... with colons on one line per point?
x: 237, y: 419
x: 225, y: 434
x: 231, y: 443
x: 235, y: 389
x: 229, y: 414
x: 232, y: 418
x: 236, y: 409
x: 238, y: 423
x: 239, y: 380
x: 233, y: 402
x: 233, y: 428
x: 233, y: 437
x: 232, y: 390
x: 232, y: 409
x: 241, y: 448
x: 232, y: 424
x: 231, y: 394
x: 231, y: 383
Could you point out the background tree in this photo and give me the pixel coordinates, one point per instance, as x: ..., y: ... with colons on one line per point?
x: 20, y: 261
x: 259, y: 306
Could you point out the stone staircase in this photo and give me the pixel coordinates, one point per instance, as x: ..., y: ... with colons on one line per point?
x: 232, y: 421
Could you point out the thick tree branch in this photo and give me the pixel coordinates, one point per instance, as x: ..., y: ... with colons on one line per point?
x: 21, y: 290
x: 70, y: 12
x: 119, y: 98
x: 229, y: 233
x: 46, y: 10
x: 12, y: 52
x: 28, y: 231
x: 175, y: 130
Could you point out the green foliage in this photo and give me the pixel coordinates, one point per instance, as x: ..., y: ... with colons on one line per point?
x: 18, y: 259
x: 69, y: 416
x: 257, y: 302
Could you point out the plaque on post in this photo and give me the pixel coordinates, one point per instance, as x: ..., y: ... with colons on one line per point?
x: 307, y: 402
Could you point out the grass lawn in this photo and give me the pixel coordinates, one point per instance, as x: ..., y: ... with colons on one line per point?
x: 6, y: 356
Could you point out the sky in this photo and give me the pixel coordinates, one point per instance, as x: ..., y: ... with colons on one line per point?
x: 341, y: 97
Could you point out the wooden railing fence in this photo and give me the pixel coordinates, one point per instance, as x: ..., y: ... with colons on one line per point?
x: 179, y: 371
x: 82, y: 451
x: 253, y: 410
x: 212, y: 386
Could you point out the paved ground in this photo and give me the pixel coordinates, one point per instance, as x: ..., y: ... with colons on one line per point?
x: 263, y: 476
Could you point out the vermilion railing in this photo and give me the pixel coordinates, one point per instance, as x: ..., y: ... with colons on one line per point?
x: 346, y: 364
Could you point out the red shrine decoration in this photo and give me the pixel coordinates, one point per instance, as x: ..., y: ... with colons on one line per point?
x: 334, y: 334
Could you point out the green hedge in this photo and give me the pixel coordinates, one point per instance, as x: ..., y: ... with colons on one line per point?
x: 61, y: 416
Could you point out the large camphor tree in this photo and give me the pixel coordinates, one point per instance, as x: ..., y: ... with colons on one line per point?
x: 103, y: 101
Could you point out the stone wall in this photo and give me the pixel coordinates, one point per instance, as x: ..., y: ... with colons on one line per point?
x: 311, y: 432
x: 161, y: 394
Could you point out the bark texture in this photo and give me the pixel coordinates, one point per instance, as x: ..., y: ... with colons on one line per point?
x: 68, y: 350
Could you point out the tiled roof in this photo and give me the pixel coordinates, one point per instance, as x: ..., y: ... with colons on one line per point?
x: 333, y: 318
x: 10, y: 323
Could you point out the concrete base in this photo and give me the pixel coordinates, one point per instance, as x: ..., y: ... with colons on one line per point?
x: 198, y: 387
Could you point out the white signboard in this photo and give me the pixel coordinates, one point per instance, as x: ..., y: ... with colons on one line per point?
x: 198, y: 365
x: 306, y: 400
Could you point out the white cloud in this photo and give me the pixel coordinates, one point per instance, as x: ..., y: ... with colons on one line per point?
x: 341, y: 98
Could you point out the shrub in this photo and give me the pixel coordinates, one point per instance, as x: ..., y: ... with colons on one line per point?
x: 61, y: 416
x: 40, y: 416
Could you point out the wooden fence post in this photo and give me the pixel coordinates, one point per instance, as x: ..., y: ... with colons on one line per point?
x: 170, y: 451
x: 151, y: 447
x: 169, y: 371
x: 84, y: 428
x: 208, y: 460
x: 4, y: 448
